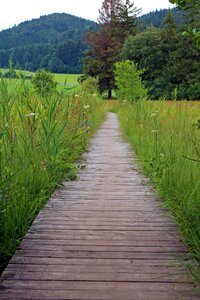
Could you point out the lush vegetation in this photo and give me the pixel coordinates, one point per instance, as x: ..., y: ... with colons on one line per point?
x: 116, y: 22
x: 168, y: 60
x: 165, y: 137
x: 155, y: 18
x: 65, y: 82
x: 128, y: 81
x: 54, y: 42
x: 42, y: 134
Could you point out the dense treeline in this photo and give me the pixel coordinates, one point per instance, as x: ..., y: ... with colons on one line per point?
x: 168, y: 59
x: 54, y: 42
x: 155, y: 18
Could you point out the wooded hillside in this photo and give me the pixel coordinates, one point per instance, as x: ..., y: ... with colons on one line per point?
x: 56, y: 42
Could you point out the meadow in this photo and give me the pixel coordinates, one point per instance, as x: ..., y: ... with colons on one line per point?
x: 65, y: 82
x: 165, y: 135
x: 41, y: 141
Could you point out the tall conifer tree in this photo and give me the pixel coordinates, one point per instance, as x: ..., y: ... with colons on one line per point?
x: 106, y: 44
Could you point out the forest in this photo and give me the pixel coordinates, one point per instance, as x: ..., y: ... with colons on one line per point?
x: 54, y: 42
x: 167, y: 59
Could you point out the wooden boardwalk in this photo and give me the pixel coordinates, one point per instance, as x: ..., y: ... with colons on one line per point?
x: 102, y: 237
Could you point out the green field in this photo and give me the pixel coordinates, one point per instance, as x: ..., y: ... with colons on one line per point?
x: 66, y: 82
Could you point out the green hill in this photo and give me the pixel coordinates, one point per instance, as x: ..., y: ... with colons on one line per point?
x: 54, y: 42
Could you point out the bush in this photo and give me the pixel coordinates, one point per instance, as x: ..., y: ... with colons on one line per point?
x: 128, y: 81
x: 90, y: 85
x: 44, y: 84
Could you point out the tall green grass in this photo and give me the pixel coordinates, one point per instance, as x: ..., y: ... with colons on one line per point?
x: 166, y: 138
x: 40, y: 139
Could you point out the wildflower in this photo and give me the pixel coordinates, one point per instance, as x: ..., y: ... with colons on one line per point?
x: 154, y: 113
x: 94, y: 95
x: 154, y: 131
x: 161, y: 154
x: 32, y: 114
x: 86, y: 106
x: 76, y: 95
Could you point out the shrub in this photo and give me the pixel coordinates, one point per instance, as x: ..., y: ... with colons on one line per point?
x: 44, y: 84
x: 128, y: 81
x: 90, y: 85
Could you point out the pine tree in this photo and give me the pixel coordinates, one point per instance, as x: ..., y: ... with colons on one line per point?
x: 106, y: 44
x: 108, y: 11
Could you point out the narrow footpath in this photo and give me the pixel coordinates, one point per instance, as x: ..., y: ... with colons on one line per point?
x: 102, y: 237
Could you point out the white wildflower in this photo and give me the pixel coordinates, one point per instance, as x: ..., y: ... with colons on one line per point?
x: 32, y: 114
x: 154, y: 131
x: 154, y: 113
x: 86, y: 106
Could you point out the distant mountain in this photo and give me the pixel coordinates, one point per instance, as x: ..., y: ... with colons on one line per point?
x: 54, y: 42
x: 156, y: 18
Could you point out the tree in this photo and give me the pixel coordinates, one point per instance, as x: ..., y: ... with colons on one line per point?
x: 44, y: 83
x: 185, y: 4
x: 128, y: 81
x: 169, y: 60
x: 127, y: 18
x: 193, y: 6
x: 106, y: 44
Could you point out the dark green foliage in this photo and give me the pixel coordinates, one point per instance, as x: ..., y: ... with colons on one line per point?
x: 193, y: 9
x: 155, y: 18
x: 170, y: 61
x: 54, y: 42
x: 116, y: 22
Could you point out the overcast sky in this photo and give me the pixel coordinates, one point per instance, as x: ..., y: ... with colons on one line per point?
x: 13, y: 12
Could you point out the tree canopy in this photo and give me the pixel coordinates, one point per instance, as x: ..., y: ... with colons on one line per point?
x: 117, y: 20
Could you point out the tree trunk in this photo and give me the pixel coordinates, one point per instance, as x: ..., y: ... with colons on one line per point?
x: 109, y: 94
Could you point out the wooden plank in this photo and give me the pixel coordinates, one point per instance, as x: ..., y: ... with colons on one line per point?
x: 95, y: 262
x: 96, y: 295
x: 168, y: 276
x: 99, y: 254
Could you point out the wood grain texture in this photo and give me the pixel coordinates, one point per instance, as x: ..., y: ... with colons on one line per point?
x: 102, y: 237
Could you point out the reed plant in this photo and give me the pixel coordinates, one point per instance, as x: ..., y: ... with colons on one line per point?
x: 41, y: 138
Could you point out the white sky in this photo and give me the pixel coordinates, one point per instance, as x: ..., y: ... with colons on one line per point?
x: 13, y: 12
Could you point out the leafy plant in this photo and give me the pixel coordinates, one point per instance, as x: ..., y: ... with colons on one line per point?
x: 128, y: 81
x: 44, y: 84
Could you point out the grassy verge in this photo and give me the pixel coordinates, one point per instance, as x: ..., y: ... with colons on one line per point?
x: 40, y: 139
x: 165, y: 137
